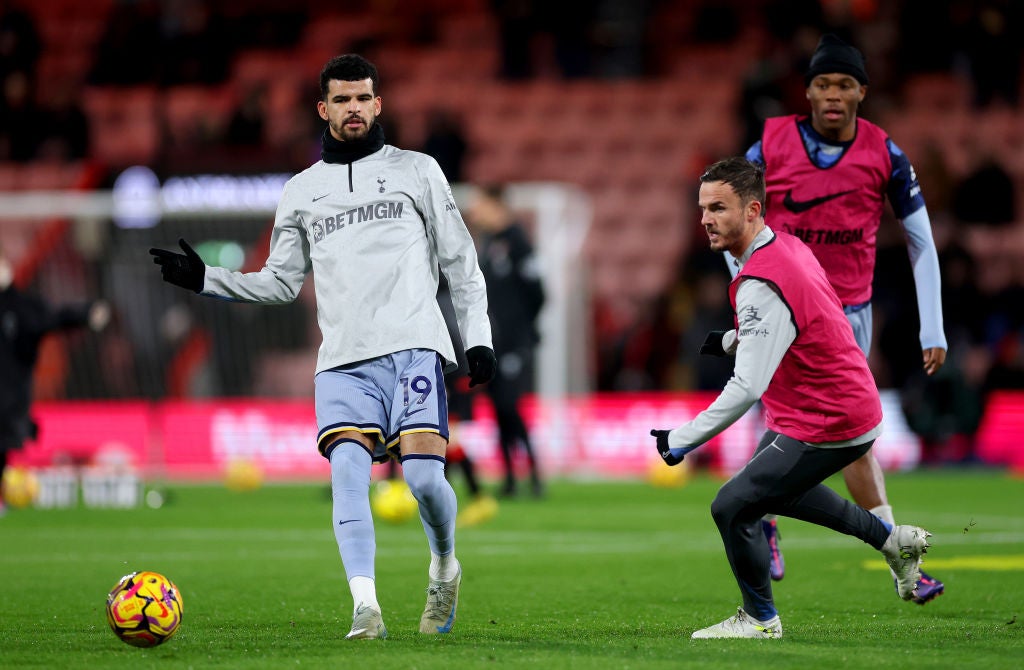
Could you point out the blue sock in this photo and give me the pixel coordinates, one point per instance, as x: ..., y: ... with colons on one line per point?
x: 425, y: 476
x: 353, y: 522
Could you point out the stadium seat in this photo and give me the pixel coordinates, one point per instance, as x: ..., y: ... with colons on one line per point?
x: 937, y: 91
x: 124, y: 123
x: 338, y: 33
x: 197, y: 114
x: 46, y: 176
x: 474, y: 28
x: 254, y: 66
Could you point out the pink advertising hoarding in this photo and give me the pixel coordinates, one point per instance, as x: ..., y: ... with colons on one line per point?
x: 601, y: 436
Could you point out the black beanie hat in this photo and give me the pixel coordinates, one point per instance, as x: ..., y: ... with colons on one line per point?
x: 835, y: 55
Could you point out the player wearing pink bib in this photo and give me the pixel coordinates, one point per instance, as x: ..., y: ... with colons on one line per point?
x: 802, y: 402
x: 828, y: 176
x: 796, y: 352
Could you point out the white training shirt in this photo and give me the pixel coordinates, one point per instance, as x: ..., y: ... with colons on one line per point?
x: 373, y: 233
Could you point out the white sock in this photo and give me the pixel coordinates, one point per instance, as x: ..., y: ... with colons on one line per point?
x: 443, y: 568
x: 364, y: 592
x: 884, y: 512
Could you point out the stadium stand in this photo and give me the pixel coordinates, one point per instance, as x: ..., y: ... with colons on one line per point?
x: 634, y: 144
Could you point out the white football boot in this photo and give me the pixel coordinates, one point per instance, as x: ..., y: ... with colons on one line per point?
x: 442, y: 601
x: 903, y: 551
x: 742, y: 625
x: 367, y: 624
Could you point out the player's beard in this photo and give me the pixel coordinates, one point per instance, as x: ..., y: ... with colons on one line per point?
x: 349, y: 135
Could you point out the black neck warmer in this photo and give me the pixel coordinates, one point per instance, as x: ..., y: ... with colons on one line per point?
x: 335, y: 151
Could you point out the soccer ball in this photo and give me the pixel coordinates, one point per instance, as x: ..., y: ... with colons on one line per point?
x: 144, y: 609
x: 663, y: 475
x: 391, y: 500
x: 243, y: 475
x: 19, y: 487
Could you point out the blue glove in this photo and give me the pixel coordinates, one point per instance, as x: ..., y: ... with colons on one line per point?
x: 668, y: 454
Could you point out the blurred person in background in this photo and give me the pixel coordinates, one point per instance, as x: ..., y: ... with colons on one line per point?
x: 376, y: 225
x: 446, y: 143
x: 22, y: 122
x: 25, y: 320
x: 828, y: 176
x: 794, y: 351
x: 482, y: 507
x: 515, y: 295
x: 20, y: 45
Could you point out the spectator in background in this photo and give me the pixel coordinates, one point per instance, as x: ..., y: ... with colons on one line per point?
x: 517, y: 29
x: 446, y: 143
x: 709, y: 282
x: 66, y: 135
x: 481, y: 507
x: 19, y: 40
x: 22, y: 125
x: 515, y: 296
x: 569, y: 26
x: 992, y: 46
x: 618, y: 38
x: 24, y: 321
x: 246, y: 128
x: 128, y: 53
x: 986, y: 194
x: 768, y: 89
x: 195, y: 45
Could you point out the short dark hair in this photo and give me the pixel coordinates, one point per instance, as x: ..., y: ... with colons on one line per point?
x: 745, y: 177
x: 348, y: 67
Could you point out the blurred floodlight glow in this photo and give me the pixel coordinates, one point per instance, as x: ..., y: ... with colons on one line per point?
x: 141, y: 201
x: 232, y: 256
x: 136, y: 198
x: 223, y: 192
x: 222, y: 253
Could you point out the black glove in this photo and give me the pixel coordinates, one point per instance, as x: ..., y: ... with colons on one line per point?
x: 482, y: 365
x: 670, y: 456
x: 713, y: 344
x: 187, y: 271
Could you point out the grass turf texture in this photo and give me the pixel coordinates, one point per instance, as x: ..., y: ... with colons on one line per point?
x: 602, y: 575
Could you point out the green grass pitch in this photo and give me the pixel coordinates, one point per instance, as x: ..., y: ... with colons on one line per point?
x: 597, y: 575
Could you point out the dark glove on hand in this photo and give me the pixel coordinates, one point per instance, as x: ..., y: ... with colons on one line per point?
x: 187, y: 271
x: 670, y: 456
x: 482, y: 365
x: 713, y: 344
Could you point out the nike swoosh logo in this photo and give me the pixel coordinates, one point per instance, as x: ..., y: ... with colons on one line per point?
x: 320, y: 197
x: 800, y: 206
x: 342, y: 523
x: 415, y: 411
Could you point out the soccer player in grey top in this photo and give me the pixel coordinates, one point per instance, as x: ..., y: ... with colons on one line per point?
x: 376, y: 225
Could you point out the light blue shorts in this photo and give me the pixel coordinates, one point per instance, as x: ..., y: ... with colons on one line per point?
x: 861, y: 321
x: 388, y: 397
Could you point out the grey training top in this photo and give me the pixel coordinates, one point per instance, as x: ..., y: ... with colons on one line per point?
x: 374, y: 233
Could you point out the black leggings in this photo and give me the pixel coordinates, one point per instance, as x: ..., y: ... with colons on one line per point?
x: 784, y: 477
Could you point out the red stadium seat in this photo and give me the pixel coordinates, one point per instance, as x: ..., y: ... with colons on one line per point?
x: 124, y: 123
